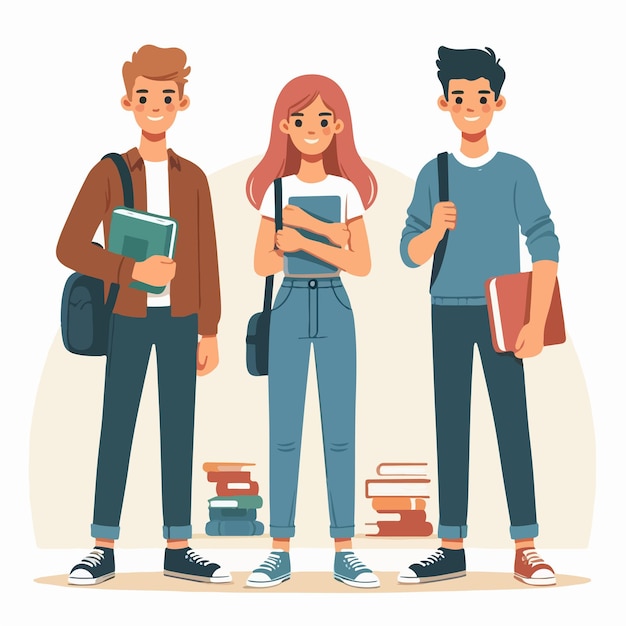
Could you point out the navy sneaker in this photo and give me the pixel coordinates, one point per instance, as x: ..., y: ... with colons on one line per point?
x: 96, y: 567
x: 349, y: 569
x: 188, y: 564
x: 274, y: 570
x: 442, y: 564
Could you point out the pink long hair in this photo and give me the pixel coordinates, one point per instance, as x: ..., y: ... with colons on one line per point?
x: 283, y: 159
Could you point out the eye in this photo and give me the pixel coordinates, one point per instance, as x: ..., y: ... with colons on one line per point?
x: 459, y: 100
x: 483, y: 100
x: 324, y: 123
x: 143, y: 100
x: 168, y: 99
x: 298, y: 123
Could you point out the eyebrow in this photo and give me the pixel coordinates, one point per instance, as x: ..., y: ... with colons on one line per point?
x: 141, y: 91
x: 302, y: 114
x: 169, y: 91
x: 485, y: 91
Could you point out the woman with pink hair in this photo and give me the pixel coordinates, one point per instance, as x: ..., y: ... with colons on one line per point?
x: 325, y: 189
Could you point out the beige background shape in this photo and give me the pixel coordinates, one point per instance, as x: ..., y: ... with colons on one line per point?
x: 395, y: 418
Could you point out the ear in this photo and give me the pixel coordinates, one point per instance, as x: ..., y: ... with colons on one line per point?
x: 127, y: 105
x: 284, y: 126
x: 184, y: 103
x: 339, y: 126
x: 442, y: 103
x: 500, y: 103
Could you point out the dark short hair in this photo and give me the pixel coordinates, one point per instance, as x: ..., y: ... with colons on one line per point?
x: 469, y: 64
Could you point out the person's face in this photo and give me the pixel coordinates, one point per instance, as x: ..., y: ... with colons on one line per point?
x: 471, y: 103
x: 312, y: 129
x: 154, y: 104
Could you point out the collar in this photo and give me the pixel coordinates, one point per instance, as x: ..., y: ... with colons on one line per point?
x: 135, y: 161
x: 474, y: 162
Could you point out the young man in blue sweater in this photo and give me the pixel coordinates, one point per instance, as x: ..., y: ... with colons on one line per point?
x: 493, y: 196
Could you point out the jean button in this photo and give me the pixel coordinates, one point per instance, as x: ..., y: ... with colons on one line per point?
x: 313, y: 283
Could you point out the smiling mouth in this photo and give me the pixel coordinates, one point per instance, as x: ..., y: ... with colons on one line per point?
x: 311, y: 141
x: 472, y: 119
x: 155, y: 119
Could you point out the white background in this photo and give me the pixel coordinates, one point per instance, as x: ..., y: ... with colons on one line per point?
x: 61, y: 73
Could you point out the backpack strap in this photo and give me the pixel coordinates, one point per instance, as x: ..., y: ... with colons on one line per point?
x: 278, y: 221
x: 127, y: 183
x: 129, y: 201
x: 442, y: 174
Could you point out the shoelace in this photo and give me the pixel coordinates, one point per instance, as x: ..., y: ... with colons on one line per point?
x: 270, y: 563
x: 196, y: 558
x: 437, y: 555
x: 532, y: 557
x: 94, y: 558
x: 354, y: 562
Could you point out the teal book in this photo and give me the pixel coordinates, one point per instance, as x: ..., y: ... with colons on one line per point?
x: 226, y: 514
x: 139, y: 235
x: 236, y: 502
x: 234, y: 528
x: 325, y: 209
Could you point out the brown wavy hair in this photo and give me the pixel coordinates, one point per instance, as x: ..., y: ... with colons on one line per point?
x: 156, y: 64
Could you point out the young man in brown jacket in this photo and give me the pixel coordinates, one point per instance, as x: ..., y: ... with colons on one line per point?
x: 181, y: 322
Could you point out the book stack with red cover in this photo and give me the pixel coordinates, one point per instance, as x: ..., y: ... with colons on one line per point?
x: 233, y: 510
x: 399, y: 495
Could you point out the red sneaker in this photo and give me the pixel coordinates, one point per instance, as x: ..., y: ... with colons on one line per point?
x: 531, y: 569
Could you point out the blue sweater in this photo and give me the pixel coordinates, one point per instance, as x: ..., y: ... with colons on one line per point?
x: 494, y: 202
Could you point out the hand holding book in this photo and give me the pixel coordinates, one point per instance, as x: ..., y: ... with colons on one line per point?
x: 336, y: 232
x: 156, y: 270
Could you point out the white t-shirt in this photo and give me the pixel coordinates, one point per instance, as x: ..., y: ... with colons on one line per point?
x: 158, y: 201
x: 351, y: 205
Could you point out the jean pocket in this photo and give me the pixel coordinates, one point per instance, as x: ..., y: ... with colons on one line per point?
x: 342, y: 296
x: 281, y: 297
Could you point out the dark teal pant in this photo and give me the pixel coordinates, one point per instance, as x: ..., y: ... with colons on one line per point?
x: 456, y: 329
x: 131, y: 340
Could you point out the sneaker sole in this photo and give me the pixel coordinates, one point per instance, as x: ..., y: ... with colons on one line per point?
x: 198, y: 579
x: 269, y: 583
x: 536, y: 582
x: 89, y: 581
x: 429, y: 579
x: 354, y: 583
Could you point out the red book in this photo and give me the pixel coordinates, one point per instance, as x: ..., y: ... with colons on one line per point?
x: 508, y: 305
x: 414, y: 518
x: 230, y: 477
x: 399, y: 529
x: 248, y: 488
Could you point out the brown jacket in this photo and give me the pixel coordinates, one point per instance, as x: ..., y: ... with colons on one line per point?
x: 195, y: 287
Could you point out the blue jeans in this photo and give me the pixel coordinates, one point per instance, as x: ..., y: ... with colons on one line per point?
x: 312, y: 312
x: 131, y: 340
x: 455, y: 331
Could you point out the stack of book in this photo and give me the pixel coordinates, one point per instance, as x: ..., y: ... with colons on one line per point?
x: 399, y: 495
x: 233, y: 510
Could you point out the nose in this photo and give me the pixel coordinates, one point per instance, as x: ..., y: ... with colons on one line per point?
x: 470, y: 110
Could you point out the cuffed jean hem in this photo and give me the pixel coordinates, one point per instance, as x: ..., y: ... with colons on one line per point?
x: 342, y: 532
x: 176, y: 532
x: 105, y: 532
x: 530, y: 531
x: 452, y: 532
x: 282, y: 532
